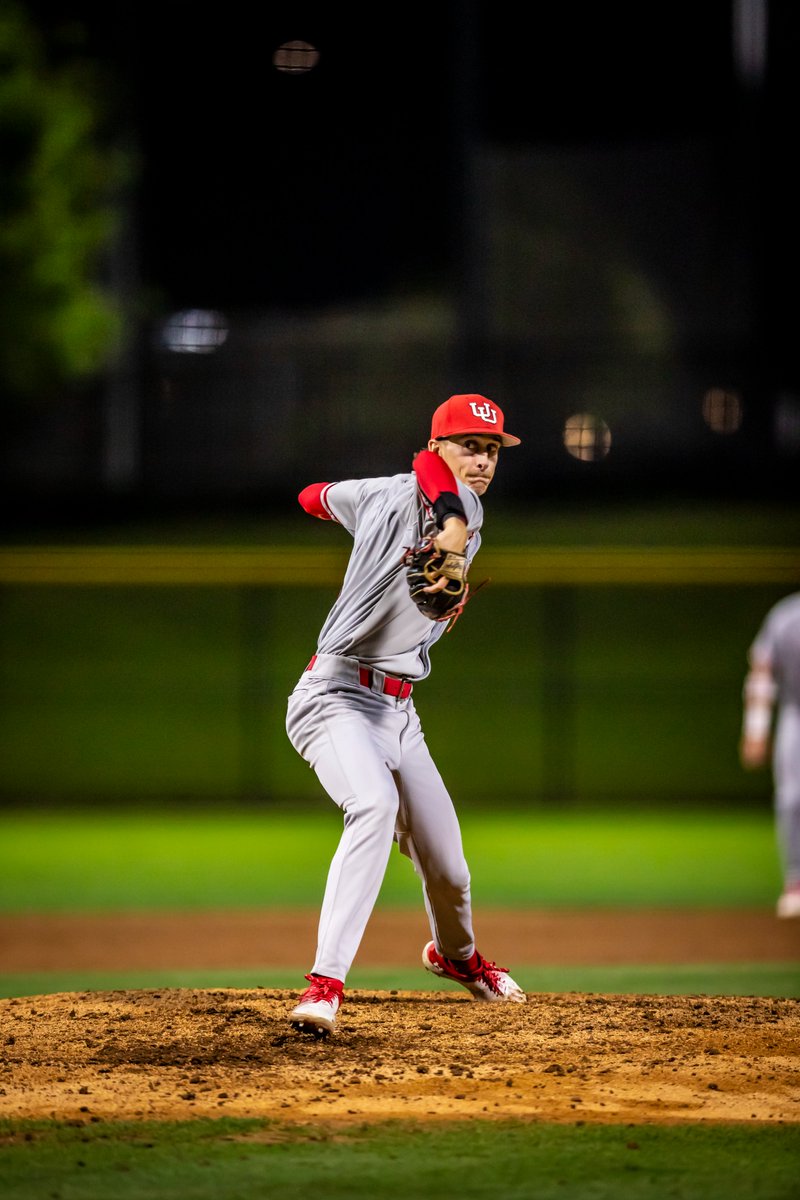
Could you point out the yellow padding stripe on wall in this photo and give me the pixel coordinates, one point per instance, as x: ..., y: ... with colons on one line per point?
x: 279, y: 566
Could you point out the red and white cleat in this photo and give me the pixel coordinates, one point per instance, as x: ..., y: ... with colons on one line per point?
x: 484, y: 979
x: 316, y: 1009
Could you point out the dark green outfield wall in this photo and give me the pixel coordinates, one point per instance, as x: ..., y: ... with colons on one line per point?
x: 627, y: 693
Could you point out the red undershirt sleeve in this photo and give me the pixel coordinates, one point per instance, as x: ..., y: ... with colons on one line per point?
x: 438, y: 485
x: 312, y: 499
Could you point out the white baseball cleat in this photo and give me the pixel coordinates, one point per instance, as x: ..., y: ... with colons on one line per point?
x: 316, y: 1009
x: 484, y: 979
x: 789, y: 903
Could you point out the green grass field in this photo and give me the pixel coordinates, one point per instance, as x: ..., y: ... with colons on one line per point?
x: 186, y: 857
x: 93, y: 861
x: 245, y: 1160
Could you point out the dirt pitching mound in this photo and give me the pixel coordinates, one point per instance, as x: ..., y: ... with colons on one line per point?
x: 182, y: 1053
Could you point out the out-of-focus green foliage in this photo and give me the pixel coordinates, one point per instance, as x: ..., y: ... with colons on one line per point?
x: 61, y: 175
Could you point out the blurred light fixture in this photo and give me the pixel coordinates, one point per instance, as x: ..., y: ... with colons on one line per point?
x: 587, y: 437
x: 195, y: 331
x: 295, y: 58
x: 722, y: 410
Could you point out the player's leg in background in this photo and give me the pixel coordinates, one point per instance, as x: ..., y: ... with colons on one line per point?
x: 786, y: 767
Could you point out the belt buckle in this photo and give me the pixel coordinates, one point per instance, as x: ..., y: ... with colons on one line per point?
x: 401, y: 688
x: 391, y: 686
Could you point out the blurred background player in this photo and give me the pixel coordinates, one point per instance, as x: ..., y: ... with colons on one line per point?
x: 771, y: 722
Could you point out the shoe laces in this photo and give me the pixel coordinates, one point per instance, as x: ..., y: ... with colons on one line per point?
x: 322, y: 988
x: 491, y: 973
x: 484, y: 968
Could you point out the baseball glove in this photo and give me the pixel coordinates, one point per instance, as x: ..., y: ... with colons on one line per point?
x: 425, y: 563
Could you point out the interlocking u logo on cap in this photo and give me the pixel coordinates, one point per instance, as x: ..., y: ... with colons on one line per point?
x: 484, y: 411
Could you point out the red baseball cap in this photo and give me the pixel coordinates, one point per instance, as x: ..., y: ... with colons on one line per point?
x: 470, y: 414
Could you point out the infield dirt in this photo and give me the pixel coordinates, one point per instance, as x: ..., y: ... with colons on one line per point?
x: 183, y: 1053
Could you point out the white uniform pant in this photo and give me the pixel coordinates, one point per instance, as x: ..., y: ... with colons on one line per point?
x: 369, y: 753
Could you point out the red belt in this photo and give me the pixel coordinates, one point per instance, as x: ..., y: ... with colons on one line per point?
x: 392, y: 686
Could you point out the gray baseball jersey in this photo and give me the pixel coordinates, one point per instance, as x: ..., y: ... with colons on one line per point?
x: 352, y: 717
x: 373, y: 618
x: 778, y: 643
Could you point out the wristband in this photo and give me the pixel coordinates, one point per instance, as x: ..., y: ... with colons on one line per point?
x: 448, y: 504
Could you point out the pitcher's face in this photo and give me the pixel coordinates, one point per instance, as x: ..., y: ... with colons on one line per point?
x: 472, y: 457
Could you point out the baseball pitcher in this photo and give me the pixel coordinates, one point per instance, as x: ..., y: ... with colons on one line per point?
x: 351, y: 715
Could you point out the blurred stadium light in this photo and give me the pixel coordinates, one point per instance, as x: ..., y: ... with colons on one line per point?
x: 587, y: 437
x: 194, y: 332
x: 722, y: 410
